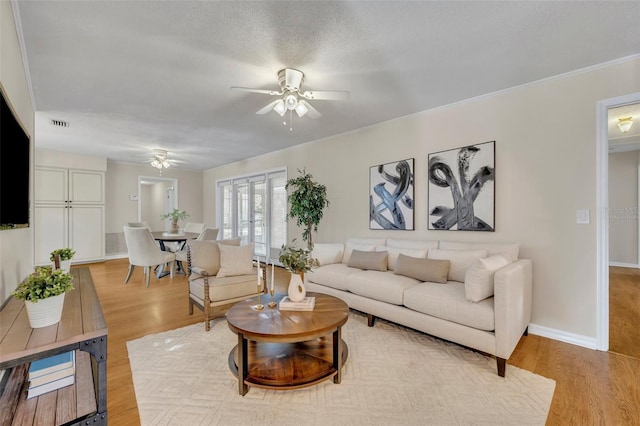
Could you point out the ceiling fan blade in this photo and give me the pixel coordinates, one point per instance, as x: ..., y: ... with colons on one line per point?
x: 249, y: 89
x: 268, y: 107
x: 331, y: 95
x: 312, y: 112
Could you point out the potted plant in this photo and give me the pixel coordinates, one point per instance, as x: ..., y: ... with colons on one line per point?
x: 307, y: 202
x: 65, y: 256
x: 43, y: 294
x: 175, y: 215
x: 297, y: 261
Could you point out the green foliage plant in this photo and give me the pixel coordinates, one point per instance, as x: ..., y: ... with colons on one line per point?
x: 65, y: 253
x: 297, y: 260
x: 307, y: 202
x: 43, y: 283
x: 175, y: 215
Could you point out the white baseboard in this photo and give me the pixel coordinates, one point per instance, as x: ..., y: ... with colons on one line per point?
x: 624, y: 265
x: 116, y: 256
x: 563, y: 336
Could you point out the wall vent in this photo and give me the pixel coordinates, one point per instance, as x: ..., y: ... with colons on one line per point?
x: 59, y: 123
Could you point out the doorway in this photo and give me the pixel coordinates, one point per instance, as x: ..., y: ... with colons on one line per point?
x: 602, y: 213
x: 156, y: 196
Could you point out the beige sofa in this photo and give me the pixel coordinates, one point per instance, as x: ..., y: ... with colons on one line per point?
x: 474, y: 294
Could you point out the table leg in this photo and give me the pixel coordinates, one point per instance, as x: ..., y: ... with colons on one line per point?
x: 243, y: 364
x: 337, y: 354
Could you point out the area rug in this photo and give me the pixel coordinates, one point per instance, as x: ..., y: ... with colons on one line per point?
x: 394, y: 376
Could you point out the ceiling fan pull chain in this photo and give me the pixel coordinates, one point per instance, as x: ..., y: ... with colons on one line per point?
x: 291, y: 120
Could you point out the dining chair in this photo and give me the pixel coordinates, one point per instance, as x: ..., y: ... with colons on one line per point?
x: 138, y: 224
x: 194, y: 227
x: 143, y: 251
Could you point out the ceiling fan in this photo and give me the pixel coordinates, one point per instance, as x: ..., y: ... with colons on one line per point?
x: 292, y: 98
x: 160, y: 160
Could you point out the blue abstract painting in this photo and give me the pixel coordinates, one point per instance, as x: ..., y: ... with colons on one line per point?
x: 391, y: 196
x: 461, y: 188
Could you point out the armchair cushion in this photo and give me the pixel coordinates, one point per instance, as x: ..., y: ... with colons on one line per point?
x: 235, y: 260
x: 205, y: 254
x: 227, y: 288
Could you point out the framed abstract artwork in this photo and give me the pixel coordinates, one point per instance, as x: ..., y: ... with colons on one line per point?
x: 391, y: 195
x: 462, y: 188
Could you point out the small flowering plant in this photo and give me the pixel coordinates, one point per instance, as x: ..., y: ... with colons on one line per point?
x: 64, y: 253
x: 45, y: 282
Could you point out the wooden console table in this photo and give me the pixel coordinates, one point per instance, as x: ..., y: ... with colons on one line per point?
x: 83, y: 329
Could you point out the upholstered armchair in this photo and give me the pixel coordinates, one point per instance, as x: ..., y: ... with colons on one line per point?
x: 220, y: 273
x: 143, y: 251
x: 206, y: 234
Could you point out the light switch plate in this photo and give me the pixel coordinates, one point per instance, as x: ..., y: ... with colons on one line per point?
x: 583, y: 217
x: 133, y: 198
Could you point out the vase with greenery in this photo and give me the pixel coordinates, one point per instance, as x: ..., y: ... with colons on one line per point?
x: 43, y: 293
x: 175, y: 215
x: 64, y: 256
x: 307, y: 201
x: 297, y: 261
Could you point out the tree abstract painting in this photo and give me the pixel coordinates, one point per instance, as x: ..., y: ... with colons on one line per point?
x: 391, y: 196
x: 461, y: 188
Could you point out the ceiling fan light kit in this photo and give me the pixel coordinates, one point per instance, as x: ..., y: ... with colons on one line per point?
x: 290, y: 81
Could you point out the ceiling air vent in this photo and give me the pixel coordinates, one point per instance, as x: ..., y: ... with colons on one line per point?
x: 59, y: 123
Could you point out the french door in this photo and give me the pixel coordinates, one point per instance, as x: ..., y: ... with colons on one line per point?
x: 254, y: 208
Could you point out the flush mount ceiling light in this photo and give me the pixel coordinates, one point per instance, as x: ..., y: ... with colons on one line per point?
x: 292, y: 98
x: 624, y: 124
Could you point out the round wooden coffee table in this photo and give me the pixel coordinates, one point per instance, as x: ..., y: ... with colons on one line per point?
x: 287, y: 349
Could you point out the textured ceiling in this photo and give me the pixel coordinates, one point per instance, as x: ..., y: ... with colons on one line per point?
x: 132, y: 76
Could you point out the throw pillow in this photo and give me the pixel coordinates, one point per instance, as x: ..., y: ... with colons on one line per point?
x: 435, y: 271
x: 235, y: 260
x: 394, y: 252
x: 372, y: 260
x: 349, y: 247
x: 460, y: 260
x: 478, y: 281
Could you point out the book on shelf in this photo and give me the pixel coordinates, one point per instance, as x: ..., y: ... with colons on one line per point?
x: 50, y: 386
x: 306, y: 304
x: 46, y: 378
x: 52, y: 364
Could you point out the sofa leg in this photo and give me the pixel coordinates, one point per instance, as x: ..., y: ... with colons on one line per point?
x: 502, y: 366
x: 371, y: 320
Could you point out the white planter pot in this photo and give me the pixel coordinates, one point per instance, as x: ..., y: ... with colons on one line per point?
x: 296, y: 290
x: 45, y: 312
x: 65, y: 265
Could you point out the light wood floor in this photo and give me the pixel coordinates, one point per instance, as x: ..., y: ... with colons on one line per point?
x: 592, y: 387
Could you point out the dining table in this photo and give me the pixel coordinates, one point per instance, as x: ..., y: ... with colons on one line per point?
x: 163, y: 237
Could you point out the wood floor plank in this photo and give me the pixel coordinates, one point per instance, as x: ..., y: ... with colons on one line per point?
x: 592, y: 387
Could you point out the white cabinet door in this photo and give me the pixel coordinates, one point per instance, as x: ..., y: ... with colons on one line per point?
x: 51, y: 185
x: 86, y: 232
x: 86, y: 187
x: 51, y: 230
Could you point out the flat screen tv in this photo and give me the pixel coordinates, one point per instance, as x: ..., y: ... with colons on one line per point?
x: 14, y: 170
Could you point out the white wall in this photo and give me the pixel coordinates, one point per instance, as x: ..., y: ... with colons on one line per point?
x: 545, y: 137
x: 16, y: 245
x: 623, y: 208
x: 122, y: 181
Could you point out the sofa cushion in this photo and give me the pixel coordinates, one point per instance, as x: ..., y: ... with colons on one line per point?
x: 351, y: 246
x: 328, y: 253
x: 478, y: 281
x: 205, y: 254
x: 235, y: 260
x: 448, y: 302
x: 394, y: 252
x: 334, y: 275
x: 381, y: 286
x: 508, y: 250
x: 225, y: 288
x: 460, y: 260
x: 431, y: 270
x: 373, y: 260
